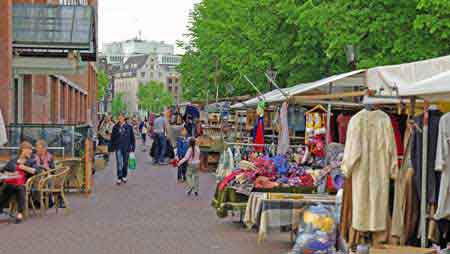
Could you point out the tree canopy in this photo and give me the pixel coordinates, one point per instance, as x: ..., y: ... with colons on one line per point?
x: 118, y: 105
x: 153, y: 97
x: 102, y: 84
x: 304, y: 40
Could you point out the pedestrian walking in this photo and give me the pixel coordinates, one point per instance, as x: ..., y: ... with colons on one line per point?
x: 182, y: 147
x: 143, y: 129
x: 160, y: 130
x: 192, y: 157
x: 123, y: 142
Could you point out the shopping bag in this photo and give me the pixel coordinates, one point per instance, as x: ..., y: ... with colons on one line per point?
x: 132, y: 162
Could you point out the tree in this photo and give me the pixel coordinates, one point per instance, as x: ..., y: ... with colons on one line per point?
x: 153, y: 97
x: 304, y: 40
x: 118, y: 105
x: 102, y: 84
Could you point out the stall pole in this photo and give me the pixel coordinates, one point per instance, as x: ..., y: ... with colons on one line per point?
x: 423, y: 195
x: 327, y: 137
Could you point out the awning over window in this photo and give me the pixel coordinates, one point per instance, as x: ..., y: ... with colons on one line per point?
x: 54, y: 29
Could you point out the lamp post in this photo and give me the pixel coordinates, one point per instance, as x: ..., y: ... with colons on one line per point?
x: 273, y: 75
x: 352, y: 57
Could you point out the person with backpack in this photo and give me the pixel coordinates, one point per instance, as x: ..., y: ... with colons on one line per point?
x: 192, y: 157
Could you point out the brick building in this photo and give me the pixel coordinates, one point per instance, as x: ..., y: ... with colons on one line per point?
x: 48, y: 76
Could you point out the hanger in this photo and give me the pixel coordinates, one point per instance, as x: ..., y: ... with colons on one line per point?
x: 317, y: 107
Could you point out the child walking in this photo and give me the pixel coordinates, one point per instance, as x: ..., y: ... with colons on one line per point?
x: 182, y: 147
x: 193, y: 158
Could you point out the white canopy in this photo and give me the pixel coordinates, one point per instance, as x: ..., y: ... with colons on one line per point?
x: 350, y: 79
x: 429, y: 79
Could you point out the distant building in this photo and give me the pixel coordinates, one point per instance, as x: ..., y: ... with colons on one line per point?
x: 141, y: 69
x: 118, y: 52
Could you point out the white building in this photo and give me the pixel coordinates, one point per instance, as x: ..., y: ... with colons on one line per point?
x: 118, y: 52
x: 141, y: 69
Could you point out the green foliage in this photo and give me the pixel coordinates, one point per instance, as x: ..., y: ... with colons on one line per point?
x: 153, y: 97
x: 304, y: 40
x: 102, y: 84
x: 118, y: 105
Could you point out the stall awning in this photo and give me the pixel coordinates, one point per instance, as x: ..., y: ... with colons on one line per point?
x: 429, y: 79
x: 349, y: 79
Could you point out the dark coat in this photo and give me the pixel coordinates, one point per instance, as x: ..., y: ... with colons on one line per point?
x: 169, y: 151
x: 125, y: 140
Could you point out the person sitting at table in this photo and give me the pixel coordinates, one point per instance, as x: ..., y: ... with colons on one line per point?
x: 15, y: 188
x: 43, y: 159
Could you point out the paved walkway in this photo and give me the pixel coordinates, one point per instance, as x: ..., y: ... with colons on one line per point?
x: 149, y: 215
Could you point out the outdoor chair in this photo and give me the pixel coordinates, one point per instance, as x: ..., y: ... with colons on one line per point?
x: 54, y: 184
x: 74, y: 176
x: 32, y: 190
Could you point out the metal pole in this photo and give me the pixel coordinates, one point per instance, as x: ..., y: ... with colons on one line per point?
x: 327, y: 138
x: 256, y: 88
x: 215, y: 81
x: 276, y: 85
x: 423, y: 195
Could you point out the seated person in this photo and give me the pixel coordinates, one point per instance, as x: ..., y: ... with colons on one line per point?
x: 15, y: 188
x: 43, y: 158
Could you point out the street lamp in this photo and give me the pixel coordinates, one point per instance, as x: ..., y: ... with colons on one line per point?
x: 273, y: 75
x: 352, y: 57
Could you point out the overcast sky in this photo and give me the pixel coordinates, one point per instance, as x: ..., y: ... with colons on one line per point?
x: 160, y: 20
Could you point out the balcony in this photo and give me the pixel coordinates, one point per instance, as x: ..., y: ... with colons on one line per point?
x: 55, y: 30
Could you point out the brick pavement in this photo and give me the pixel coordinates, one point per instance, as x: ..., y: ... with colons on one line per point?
x: 150, y: 215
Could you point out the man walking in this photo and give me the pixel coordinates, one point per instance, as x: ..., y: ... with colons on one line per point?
x: 123, y: 142
x: 159, y: 128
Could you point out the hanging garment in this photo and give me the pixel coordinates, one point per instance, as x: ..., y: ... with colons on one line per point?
x: 405, y: 215
x: 370, y: 157
x: 258, y: 138
x: 226, y: 164
x: 416, y: 155
x: 296, y: 118
x: 342, y: 122
x: 3, y: 134
x: 443, y: 165
x: 283, y: 136
x: 398, y: 135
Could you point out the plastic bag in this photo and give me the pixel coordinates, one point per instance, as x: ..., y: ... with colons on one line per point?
x: 132, y: 162
x: 317, y: 231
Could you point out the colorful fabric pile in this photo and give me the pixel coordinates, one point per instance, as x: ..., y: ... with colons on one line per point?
x: 265, y: 172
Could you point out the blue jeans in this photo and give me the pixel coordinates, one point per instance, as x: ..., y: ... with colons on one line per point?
x: 122, y: 163
x: 162, y: 147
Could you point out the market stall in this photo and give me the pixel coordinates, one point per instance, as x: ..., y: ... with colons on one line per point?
x: 428, y: 80
x: 369, y: 109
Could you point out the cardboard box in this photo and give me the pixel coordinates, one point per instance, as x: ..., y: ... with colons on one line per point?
x: 99, y: 164
x: 102, y: 149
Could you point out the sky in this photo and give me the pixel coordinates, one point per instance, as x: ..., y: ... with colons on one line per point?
x: 159, y: 20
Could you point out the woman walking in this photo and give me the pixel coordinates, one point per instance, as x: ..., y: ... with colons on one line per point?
x: 193, y: 158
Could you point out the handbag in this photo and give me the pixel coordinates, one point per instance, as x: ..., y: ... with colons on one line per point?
x: 132, y: 164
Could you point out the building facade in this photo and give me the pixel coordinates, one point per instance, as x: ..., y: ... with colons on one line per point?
x: 117, y: 53
x: 141, y: 69
x: 43, y: 78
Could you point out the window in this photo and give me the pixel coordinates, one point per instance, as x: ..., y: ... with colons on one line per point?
x: 142, y: 74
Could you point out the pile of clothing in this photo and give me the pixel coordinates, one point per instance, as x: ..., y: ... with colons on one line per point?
x: 266, y: 172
